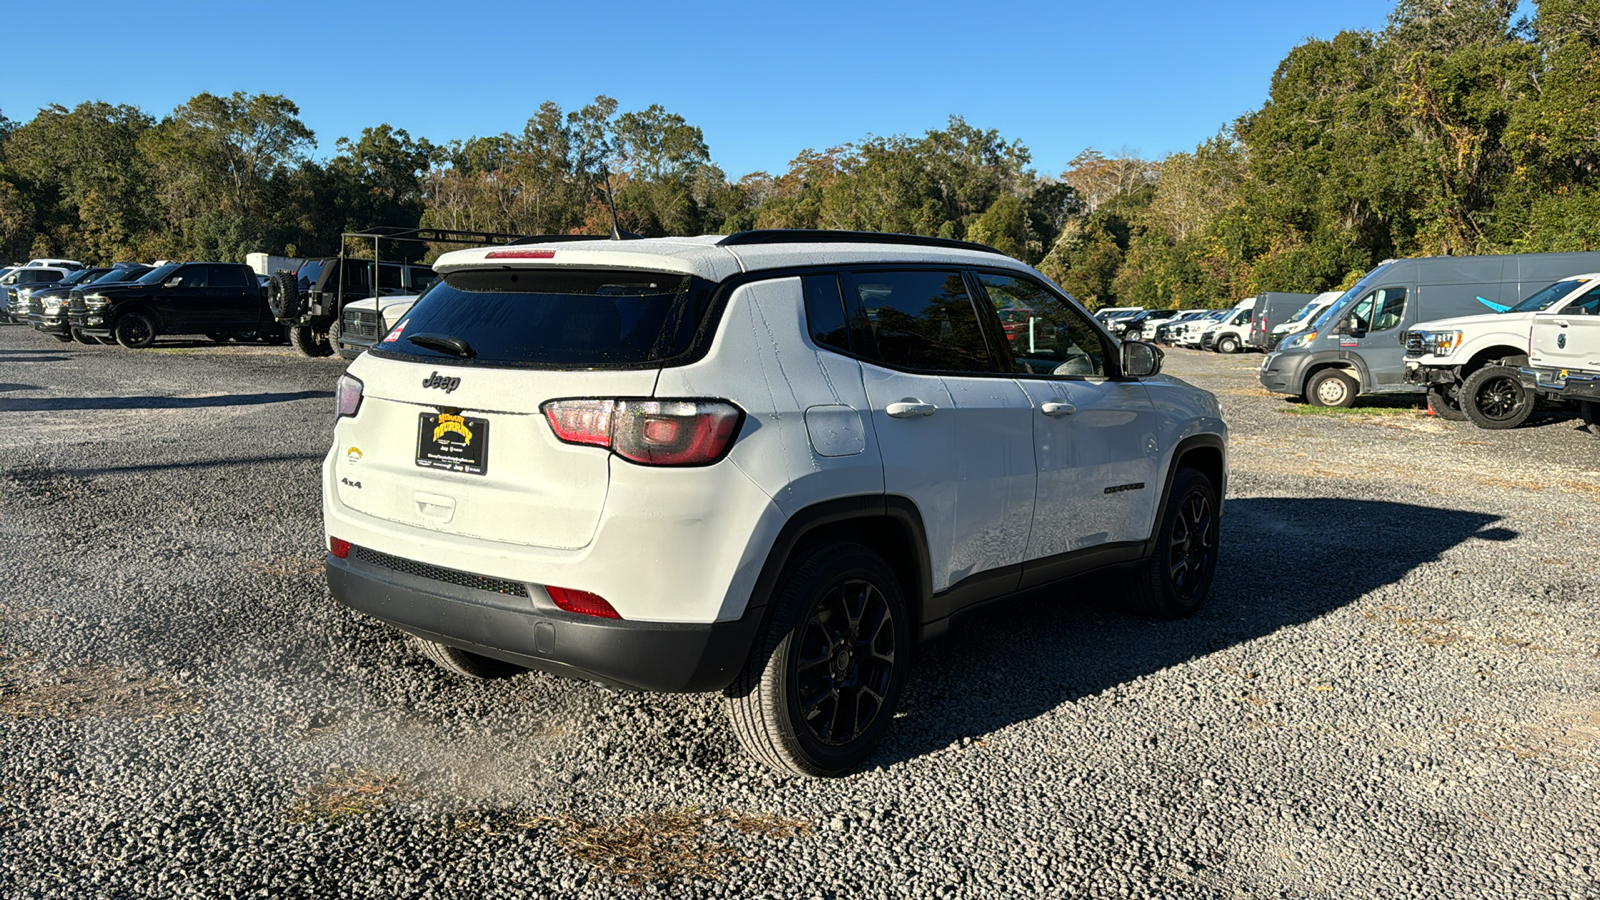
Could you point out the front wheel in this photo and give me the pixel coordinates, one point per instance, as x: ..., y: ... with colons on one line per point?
x: 822, y: 684
x: 1331, y: 387
x: 63, y: 338
x: 1229, y: 344
x: 1493, y: 397
x: 135, y: 331
x: 82, y: 338
x: 1177, y: 578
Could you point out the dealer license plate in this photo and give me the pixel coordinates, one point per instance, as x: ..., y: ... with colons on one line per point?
x: 453, y: 443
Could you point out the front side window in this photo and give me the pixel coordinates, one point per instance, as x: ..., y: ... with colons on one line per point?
x: 1380, y: 310
x: 922, y: 321
x: 557, y: 319
x: 1045, y: 335
x: 193, y: 276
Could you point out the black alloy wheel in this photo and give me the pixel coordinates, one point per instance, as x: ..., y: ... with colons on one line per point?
x: 135, y: 331
x: 1176, y: 579
x: 1493, y: 397
x: 822, y: 684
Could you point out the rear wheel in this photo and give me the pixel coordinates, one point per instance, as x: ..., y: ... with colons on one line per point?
x: 1443, y: 403
x: 1331, y: 387
x: 823, y: 683
x: 1589, y: 412
x: 1177, y: 578
x: 309, y: 341
x: 466, y: 663
x: 135, y: 331
x: 1493, y: 397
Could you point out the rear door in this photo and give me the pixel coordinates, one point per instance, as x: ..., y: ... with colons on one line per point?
x: 233, y: 301
x: 954, y: 429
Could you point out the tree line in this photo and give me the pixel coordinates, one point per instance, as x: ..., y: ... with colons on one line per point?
x: 1453, y: 130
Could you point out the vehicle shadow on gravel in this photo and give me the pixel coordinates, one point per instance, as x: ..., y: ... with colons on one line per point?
x: 1285, y: 563
x: 58, y: 404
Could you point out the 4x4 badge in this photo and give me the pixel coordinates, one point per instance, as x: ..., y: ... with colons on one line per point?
x: 437, y: 381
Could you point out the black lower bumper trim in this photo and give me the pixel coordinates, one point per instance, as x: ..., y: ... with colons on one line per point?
x: 652, y: 656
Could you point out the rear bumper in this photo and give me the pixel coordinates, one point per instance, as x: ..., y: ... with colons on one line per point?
x: 1575, y: 386
x: 530, y: 631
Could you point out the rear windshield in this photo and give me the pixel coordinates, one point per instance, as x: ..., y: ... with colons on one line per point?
x: 555, y: 319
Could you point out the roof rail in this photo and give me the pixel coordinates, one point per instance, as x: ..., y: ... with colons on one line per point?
x: 824, y: 236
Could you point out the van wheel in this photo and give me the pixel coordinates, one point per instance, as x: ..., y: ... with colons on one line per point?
x: 1443, y: 405
x: 822, y: 685
x: 466, y: 663
x: 1589, y: 412
x: 1176, y: 580
x: 1228, y: 344
x: 135, y: 331
x: 1331, y: 387
x: 1493, y: 397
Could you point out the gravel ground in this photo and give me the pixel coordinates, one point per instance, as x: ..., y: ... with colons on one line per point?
x: 1394, y: 692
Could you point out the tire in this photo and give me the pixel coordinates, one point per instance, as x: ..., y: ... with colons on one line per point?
x: 272, y: 333
x: 135, y: 331
x: 1331, y: 387
x: 82, y: 338
x: 1176, y: 580
x: 1493, y: 397
x: 466, y: 663
x: 1589, y: 412
x: 817, y: 649
x: 309, y: 341
x: 219, y: 338
x: 334, y: 328
x: 284, y: 296
x: 105, y: 341
x: 1228, y: 344
x: 63, y: 338
x: 1443, y: 405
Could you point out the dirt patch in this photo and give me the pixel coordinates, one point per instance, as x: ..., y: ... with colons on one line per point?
x: 29, y: 689
x: 348, y: 792
x: 45, y: 486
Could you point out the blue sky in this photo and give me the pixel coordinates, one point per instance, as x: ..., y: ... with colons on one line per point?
x: 763, y: 81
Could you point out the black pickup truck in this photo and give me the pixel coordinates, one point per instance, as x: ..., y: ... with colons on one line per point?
x: 219, y: 300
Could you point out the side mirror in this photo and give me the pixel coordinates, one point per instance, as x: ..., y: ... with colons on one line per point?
x: 1140, y: 360
x: 173, y: 282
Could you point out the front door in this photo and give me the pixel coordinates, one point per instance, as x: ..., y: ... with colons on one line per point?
x: 1094, y: 434
x: 954, y: 429
x: 1374, y: 330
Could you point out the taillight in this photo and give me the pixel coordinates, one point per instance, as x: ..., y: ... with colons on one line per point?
x: 339, y: 548
x: 652, y: 432
x: 346, y: 397
x: 581, y: 602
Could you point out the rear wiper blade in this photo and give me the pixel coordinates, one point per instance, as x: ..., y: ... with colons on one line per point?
x: 444, y: 343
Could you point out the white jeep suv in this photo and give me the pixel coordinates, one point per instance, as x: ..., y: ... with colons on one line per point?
x: 771, y: 464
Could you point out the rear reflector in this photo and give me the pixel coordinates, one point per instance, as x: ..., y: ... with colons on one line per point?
x: 339, y: 548
x: 521, y: 254
x: 581, y: 602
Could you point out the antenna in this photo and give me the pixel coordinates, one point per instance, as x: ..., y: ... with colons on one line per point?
x: 616, y: 229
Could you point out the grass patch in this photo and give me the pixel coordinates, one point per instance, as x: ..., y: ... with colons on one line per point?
x: 31, y: 690
x: 1358, y: 411
x: 662, y: 847
x: 348, y: 792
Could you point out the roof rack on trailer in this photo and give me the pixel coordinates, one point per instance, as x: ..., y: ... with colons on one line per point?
x: 823, y: 236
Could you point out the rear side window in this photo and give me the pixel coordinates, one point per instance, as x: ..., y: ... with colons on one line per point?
x: 227, y: 276
x: 561, y: 319
x: 918, y: 320
x: 825, y: 319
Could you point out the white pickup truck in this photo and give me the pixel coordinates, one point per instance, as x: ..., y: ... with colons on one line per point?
x: 1470, y: 364
x: 1564, y: 355
x: 365, y: 322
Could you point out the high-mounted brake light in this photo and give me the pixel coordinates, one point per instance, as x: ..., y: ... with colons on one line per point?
x: 520, y: 254
x: 651, y: 432
x: 582, y: 602
x: 347, y: 397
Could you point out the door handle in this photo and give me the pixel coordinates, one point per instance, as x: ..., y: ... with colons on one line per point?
x: 1057, y: 408
x: 910, y: 407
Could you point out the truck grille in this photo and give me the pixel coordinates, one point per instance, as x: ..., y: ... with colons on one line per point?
x: 439, y: 573
x: 360, y: 323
